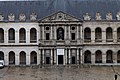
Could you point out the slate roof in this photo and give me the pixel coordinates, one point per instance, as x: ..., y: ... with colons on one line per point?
x: 44, y: 8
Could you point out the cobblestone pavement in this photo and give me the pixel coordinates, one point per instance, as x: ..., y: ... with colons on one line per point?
x: 58, y: 73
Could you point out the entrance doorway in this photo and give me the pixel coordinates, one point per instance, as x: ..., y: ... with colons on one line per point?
x: 60, y: 59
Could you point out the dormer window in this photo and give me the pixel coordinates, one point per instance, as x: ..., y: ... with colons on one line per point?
x: 87, y: 17
x: 98, y: 16
x: 22, y: 17
x: 109, y: 16
x: 118, y: 16
x: 33, y: 16
x: 11, y: 17
x: 1, y: 17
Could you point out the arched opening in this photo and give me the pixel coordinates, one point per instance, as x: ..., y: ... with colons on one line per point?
x: 22, y: 57
x: 33, y: 35
x: 109, y: 56
x: 87, y: 57
x: 60, y: 33
x: 33, y: 57
x: 1, y: 35
x: 118, y: 34
x: 1, y: 55
x: 109, y: 34
x: 11, y: 34
x: 118, y: 56
x: 87, y: 35
x: 11, y: 57
x: 22, y: 35
x: 98, y: 56
x: 98, y: 35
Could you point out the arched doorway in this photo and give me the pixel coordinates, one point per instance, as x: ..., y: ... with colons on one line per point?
x: 98, y: 56
x: 109, y: 34
x: 118, y: 56
x: 11, y: 34
x: 11, y: 57
x: 60, y: 33
x: 22, y: 35
x: 33, y: 35
x: 1, y: 35
x: 22, y: 57
x: 1, y: 55
x: 118, y: 34
x: 98, y: 34
x: 109, y: 56
x: 33, y: 57
x: 87, y: 56
x: 87, y: 35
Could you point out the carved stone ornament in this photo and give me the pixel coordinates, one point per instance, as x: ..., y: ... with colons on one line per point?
x: 109, y: 16
x: 87, y: 17
x: 11, y: 17
x: 33, y: 16
x: 1, y: 17
x: 118, y: 16
x: 22, y: 17
x: 98, y: 16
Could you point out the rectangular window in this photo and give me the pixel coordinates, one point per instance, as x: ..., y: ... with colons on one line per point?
x: 73, y: 36
x: 47, y: 36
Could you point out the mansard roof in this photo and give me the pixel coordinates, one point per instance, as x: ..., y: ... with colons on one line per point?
x: 44, y: 8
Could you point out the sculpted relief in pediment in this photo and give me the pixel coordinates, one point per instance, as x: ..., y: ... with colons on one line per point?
x: 60, y: 16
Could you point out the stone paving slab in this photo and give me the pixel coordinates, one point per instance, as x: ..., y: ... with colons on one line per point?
x: 58, y: 73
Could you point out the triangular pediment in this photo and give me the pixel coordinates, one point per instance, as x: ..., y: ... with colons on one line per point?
x: 60, y: 16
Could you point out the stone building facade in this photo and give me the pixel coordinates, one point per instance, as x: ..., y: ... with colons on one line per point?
x: 60, y: 39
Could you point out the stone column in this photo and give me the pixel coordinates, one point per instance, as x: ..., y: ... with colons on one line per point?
x: 81, y: 56
x: 115, y: 35
x: 103, y: 36
x: 6, y: 36
x: 66, y: 56
x: 17, y: 62
x: 69, y: 32
x: 51, y: 57
x: 27, y: 59
x: 51, y: 35
x: 78, y: 56
x: 38, y: 57
x: 93, y: 58
x: 55, y: 56
x: 43, y: 56
x: 55, y: 29
x: 28, y: 36
x: 104, y: 58
x: 43, y: 35
x: 93, y: 36
x: 115, y: 58
x: 6, y: 58
x: 17, y: 36
x: 77, y: 32
x: 69, y: 56
x: 65, y: 33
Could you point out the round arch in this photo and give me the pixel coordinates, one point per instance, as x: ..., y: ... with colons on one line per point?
x: 87, y: 34
x: 33, y: 35
x: 33, y: 57
x: 87, y: 56
x: 109, y: 56
x: 11, y: 33
x: 1, y: 55
x: 98, y: 56
x: 11, y: 57
x: 118, y: 56
x: 22, y: 35
x: 118, y: 34
x: 98, y: 34
x: 22, y: 57
x: 109, y: 33
x: 1, y: 35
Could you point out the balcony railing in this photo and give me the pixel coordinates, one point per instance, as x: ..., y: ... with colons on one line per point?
x: 22, y: 41
x: 11, y: 41
x: 98, y: 40
x: 109, y: 40
x: 33, y: 41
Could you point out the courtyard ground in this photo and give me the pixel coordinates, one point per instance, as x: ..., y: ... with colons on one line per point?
x: 60, y: 73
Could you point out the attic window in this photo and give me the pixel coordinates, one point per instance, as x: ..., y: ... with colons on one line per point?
x: 60, y: 16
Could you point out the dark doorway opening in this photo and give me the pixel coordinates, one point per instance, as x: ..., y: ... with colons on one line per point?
x: 47, y: 60
x: 73, y: 60
x: 60, y: 59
